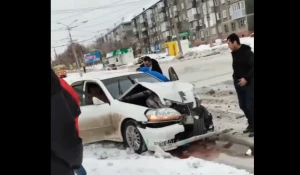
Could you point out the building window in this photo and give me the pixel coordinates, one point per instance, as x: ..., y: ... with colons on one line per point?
x: 216, y: 2
x: 220, y: 29
x: 242, y: 23
x: 202, y: 34
x: 224, y: 14
x: 233, y: 26
x: 200, y: 22
x: 218, y: 16
x: 182, y: 5
x: 226, y: 28
x: 213, y: 31
x: 207, y: 33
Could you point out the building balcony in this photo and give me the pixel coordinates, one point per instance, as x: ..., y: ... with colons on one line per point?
x: 195, y: 28
x: 175, y: 14
x: 190, y: 4
x: 144, y: 29
x: 141, y: 20
x: 163, y: 19
x: 161, y: 9
x: 145, y: 33
x: 238, y: 14
x: 134, y: 30
x: 152, y: 25
x: 194, y: 17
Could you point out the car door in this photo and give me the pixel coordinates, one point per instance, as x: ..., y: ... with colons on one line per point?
x: 94, y: 120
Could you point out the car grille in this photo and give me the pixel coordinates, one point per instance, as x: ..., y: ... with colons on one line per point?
x: 183, y: 108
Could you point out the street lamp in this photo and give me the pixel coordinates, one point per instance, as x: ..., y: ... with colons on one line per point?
x: 68, y: 27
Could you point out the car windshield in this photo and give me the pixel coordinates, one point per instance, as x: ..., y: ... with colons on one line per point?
x: 111, y: 65
x: 118, y: 85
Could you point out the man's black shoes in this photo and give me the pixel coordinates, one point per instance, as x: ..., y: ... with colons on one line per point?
x: 248, y: 129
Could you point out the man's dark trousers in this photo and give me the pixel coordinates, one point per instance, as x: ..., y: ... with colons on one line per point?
x: 246, y: 100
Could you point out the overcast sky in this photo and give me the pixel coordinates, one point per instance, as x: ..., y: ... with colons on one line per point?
x: 98, y: 19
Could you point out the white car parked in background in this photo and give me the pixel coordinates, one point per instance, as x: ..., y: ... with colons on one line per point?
x: 139, y: 110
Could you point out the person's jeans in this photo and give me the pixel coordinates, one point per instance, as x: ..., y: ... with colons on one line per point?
x: 246, y: 100
x: 80, y: 171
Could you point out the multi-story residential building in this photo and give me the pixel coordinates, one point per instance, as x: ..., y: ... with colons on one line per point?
x: 178, y: 7
x: 196, y: 20
x: 152, y: 28
x: 212, y: 19
x: 120, y: 34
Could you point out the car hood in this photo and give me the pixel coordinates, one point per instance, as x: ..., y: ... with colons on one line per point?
x: 175, y: 91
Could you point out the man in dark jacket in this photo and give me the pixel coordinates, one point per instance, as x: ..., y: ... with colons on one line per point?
x: 243, y: 78
x: 66, y: 145
x: 152, y: 64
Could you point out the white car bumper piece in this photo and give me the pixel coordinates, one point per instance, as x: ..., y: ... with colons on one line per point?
x: 163, y: 137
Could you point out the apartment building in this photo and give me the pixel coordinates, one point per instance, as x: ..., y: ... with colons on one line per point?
x: 178, y: 7
x: 152, y: 28
x: 212, y: 19
x: 119, y: 34
x: 200, y: 21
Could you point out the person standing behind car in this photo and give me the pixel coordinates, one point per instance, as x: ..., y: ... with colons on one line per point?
x: 152, y: 64
x: 243, y: 78
x: 74, y: 103
x: 66, y: 145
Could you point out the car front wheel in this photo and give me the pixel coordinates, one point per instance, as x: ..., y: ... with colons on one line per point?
x: 133, y: 138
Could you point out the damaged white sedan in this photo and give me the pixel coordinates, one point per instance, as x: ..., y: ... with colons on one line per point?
x: 140, y: 110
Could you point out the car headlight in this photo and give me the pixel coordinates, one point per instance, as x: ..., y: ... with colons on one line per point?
x: 162, y: 114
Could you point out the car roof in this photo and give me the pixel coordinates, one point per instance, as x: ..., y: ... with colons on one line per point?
x: 102, y: 75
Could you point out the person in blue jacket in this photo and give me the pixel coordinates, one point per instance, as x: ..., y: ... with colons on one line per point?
x: 154, y: 74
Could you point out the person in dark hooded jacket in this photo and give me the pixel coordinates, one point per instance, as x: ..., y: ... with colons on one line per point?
x: 152, y: 64
x: 243, y: 78
x: 66, y: 145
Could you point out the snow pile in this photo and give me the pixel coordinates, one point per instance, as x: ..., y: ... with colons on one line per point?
x: 160, y: 57
x: 99, y: 159
x: 205, y: 49
x: 201, y: 48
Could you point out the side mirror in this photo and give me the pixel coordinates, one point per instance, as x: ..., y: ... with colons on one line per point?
x: 97, y: 101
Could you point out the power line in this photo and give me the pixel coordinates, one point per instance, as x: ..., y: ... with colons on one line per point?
x: 105, y: 21
x: 95, y: 37
x: 85, y: 9
x: 99, y: 8
x: 83, y: 12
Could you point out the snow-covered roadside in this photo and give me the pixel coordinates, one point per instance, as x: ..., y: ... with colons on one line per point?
x: 102, y: 159
x: 205, y: 49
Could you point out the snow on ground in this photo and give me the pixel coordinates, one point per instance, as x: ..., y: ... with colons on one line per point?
x: 109, y: 159
x: 205, y: 49
x: 160, y: 57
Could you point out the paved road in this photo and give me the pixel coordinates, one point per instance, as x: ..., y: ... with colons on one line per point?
x: 203, y: 71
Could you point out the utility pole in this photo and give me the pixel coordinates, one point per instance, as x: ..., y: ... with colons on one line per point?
x: 176, y: 29
x: 74, y: 52
x: 55, y: 52
x: 72, y: 44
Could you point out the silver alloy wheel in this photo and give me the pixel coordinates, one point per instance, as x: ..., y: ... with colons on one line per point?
x: 133, y: 137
